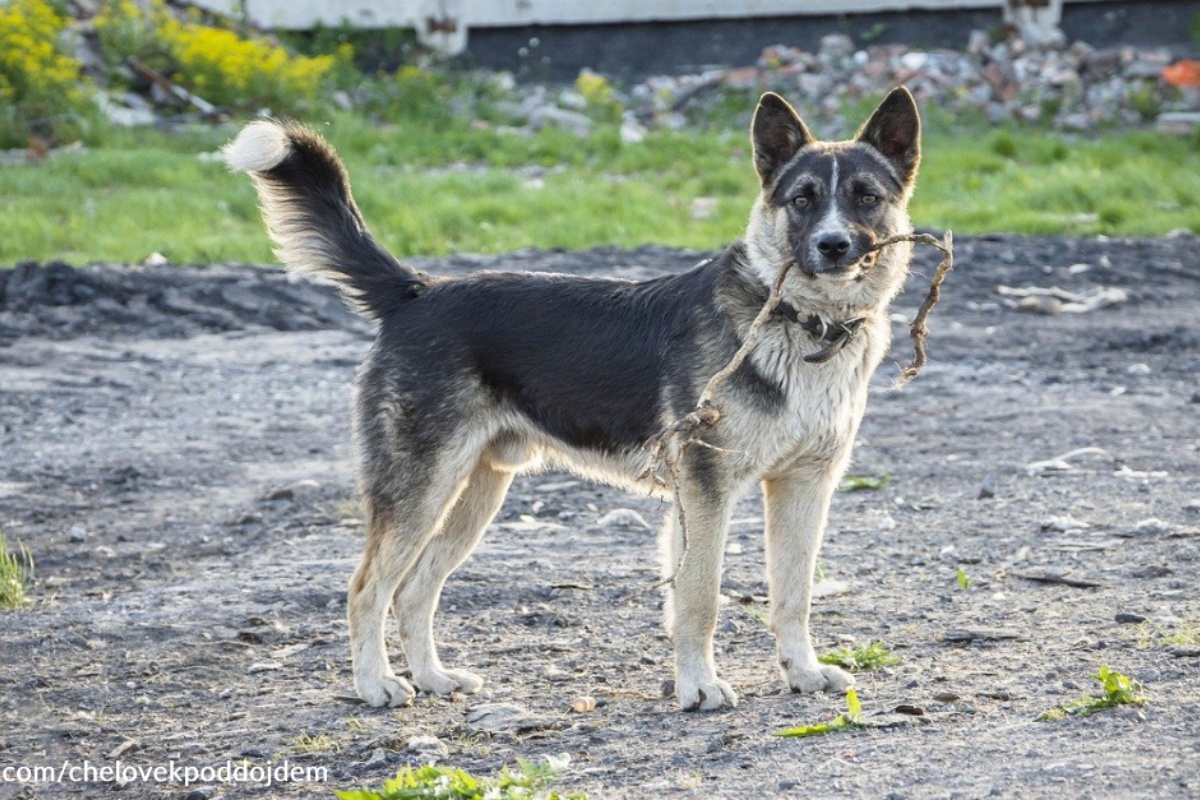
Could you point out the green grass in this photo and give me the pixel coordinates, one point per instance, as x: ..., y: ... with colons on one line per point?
x: 963, y: 579
x: 873, y: 655
x: 453, y: 188
x: 858, y: 483
x: 850, y: 719
x: 529, y: 782
x: 1118, y: 691
x: 16, y: 570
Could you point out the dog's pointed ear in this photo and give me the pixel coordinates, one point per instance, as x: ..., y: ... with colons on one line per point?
x: 778, y: 134
x: 895, y: 131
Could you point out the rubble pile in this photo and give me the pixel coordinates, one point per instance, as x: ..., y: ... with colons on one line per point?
x: 1076, y: 87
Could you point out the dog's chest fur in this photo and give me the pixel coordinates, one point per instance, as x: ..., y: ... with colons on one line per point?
x: 821, y: 404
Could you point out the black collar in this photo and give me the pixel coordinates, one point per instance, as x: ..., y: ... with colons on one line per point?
x: 835, y: 335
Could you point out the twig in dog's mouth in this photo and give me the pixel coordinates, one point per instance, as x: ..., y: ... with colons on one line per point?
x: 668, y: 447
x: 917, y: 329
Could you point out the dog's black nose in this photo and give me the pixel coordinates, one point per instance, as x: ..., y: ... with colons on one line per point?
x: 833, y: 245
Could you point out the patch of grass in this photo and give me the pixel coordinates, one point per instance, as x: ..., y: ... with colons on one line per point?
x: 1119, y: 690
x: 16, y: 571
x: 433, y: 187
x: 1150, y: 634
x: 1055, y: 185
x: 318, y: 743
x: 529, y: 782
x: 850, y: 719
x: 862, y: 658
x: 857, y: 483
x: 1187, y: 636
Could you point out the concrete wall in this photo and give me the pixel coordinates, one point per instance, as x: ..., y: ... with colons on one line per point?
x: 444, y: 24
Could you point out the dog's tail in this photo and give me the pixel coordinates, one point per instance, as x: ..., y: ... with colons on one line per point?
x: 305, y: 196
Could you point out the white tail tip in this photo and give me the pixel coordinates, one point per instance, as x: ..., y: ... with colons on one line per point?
x: 259, y: 147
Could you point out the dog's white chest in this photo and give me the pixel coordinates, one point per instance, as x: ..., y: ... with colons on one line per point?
x: 823, y: 403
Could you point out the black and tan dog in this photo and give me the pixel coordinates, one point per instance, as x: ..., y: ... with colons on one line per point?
x: 473, y: 380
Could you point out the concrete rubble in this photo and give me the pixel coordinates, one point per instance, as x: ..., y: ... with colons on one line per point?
x: 1075, y: 87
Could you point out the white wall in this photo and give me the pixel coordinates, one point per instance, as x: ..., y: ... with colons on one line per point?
x: 453, y: 18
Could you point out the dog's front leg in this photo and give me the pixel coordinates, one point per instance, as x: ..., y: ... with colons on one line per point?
x: 692, y: 600
x: 797, y: 507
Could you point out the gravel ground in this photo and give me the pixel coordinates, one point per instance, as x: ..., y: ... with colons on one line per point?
x: 175, y: 454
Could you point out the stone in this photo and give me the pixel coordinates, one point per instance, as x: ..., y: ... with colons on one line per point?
x: 427, y: 747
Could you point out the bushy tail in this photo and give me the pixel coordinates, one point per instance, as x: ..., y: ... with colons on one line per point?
x: 317, y: 229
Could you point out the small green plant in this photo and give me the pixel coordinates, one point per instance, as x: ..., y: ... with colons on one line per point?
x: 850, y: 719
x: 858, y: 483
x: 862, y: 658
x: 528, y: 782
x: 1145, y: 100
x: 16, y: 570
x: 1187, y: 636
x: 1119, y: 690
x: 601, y: 99
x: 964, y: 580
x: 1004, y: 145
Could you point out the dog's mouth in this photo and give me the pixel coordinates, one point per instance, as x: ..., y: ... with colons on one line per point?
x: 849, y: 271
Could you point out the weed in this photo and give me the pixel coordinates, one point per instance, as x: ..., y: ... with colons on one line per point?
x: 964, y: 580
x: 1118, y: 691
x: 319, y: 743
x: 529, y: 782
x: 1004, y: 145
x: 850, y: 719
x: 862, y: 658
x: 855, y: 483
x: 16, y: 570
x: 1145, y: 100
x: 1150, y: 634
x: 598, y: 92
x: 1187, y: 636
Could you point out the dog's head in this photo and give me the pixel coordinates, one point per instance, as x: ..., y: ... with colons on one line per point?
x: 825, y: 204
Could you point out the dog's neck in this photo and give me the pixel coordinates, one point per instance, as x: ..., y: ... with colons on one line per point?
x: 834, y: 335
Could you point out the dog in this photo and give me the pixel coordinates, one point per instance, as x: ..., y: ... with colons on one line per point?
x: 473, y: 380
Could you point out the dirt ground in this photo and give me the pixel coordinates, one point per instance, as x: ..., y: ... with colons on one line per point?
x: 174, y: 451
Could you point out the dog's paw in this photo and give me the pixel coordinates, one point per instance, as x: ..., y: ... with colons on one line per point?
x: 817, y: 678
x: 706, y: 695
x: 385, y: 690
x: 446, y: 681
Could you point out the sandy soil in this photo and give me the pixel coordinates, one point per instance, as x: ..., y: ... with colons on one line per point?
x: 174, y: 451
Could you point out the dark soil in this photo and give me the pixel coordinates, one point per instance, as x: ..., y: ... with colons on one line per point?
x: 174, y: 452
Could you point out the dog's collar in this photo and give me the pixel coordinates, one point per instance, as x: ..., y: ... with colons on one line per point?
x: 835, y: 335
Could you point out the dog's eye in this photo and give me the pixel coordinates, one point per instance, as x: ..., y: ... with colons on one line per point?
x: 802, y: 202
x: 868, y: 199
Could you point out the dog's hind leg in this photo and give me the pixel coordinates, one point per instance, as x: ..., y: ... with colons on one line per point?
x: 417, y: 598
x: 401, y: 520
x: 797, y: 506
x: 693, y: 599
